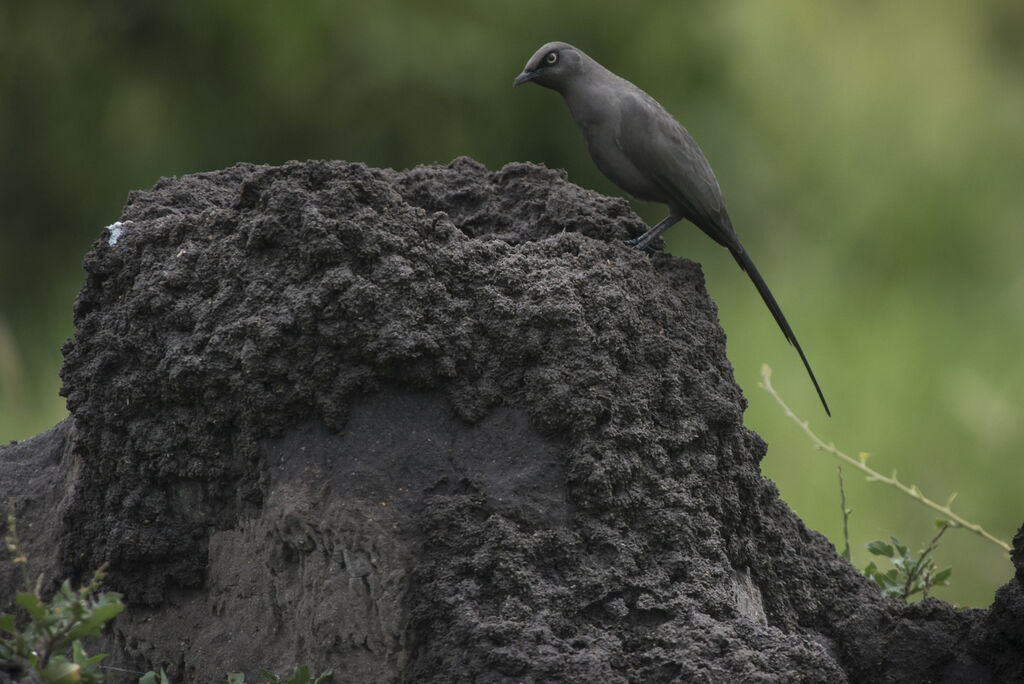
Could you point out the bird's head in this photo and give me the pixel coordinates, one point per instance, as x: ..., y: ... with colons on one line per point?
x: 552, y: 66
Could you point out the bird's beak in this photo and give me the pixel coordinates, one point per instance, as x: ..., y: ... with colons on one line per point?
x: 524, y: 77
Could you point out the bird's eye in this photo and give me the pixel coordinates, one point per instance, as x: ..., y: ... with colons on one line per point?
x: 551, y: 58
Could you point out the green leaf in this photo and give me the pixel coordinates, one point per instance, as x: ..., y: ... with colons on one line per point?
x: 32, y: 604
x: 888, y: 583
x: 235, y: 678
x: 94, y: 620
x: 324, y: 676
x: 880, y: 548
x: 300, y: 676
x: 81, y: 657
x: 60, y: 671
x: 942, y: 577
x: 151, y: 678
x: 269, y: 677
x: 78, y: 654
x: 66, y: 591
x: 903, y: 564
x: 7, y: 623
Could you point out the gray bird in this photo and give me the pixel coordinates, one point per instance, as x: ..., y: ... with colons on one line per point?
x: 641, y: 148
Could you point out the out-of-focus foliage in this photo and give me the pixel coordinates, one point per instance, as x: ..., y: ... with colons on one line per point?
x: 872, y: 155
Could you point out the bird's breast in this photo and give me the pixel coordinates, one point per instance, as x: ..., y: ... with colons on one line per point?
x: 615, y: 161
x: 608, y: 117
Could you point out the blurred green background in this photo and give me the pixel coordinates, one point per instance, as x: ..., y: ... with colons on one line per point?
x: 872, y: 155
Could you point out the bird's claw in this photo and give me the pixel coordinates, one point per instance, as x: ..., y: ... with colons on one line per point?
x: 639, y: 243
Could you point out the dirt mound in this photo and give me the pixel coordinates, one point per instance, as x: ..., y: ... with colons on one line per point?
x: 440, y: 425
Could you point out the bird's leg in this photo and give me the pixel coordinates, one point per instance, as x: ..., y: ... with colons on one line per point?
x: 644, y: 240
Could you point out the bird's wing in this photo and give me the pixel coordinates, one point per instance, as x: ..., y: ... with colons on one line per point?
x: 666, y: 152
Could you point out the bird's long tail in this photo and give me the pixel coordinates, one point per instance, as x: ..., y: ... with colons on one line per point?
x: 743, y: 259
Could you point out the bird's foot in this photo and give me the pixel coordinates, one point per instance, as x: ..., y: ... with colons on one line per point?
x: 642, y: 243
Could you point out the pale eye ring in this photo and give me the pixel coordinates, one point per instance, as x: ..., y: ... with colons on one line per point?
x: 551, y: 58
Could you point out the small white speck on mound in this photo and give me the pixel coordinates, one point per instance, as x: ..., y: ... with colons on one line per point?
x: 116, y: 229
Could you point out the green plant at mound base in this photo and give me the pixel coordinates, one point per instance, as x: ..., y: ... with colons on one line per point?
x: 909, y: 576
x: 299, y: 676
x: 55, y: 627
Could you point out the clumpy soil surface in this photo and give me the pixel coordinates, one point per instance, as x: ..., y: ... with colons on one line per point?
x: 437, y: 425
